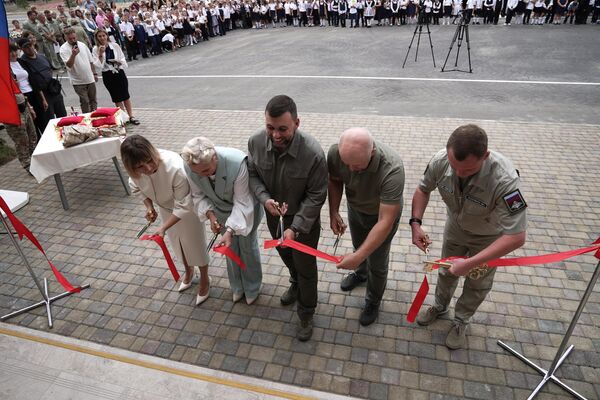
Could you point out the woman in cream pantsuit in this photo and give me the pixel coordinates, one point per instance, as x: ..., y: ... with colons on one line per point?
x: 159, y: 176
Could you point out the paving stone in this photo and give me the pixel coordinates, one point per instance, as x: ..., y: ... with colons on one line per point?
x: 133, y: 304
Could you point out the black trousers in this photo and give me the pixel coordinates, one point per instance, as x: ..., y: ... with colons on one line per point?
x: 302, y: 267
x: 131, y: 46
x: 56, y: 109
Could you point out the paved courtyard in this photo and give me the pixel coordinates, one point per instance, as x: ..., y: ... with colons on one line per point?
x: 133, y: 304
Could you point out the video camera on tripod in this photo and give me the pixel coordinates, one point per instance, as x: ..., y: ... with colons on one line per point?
x: 462, y: 32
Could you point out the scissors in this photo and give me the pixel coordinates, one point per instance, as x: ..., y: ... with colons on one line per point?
x: 144, y: 229
x: 280, y: 228
x: 475, y: 274
x: 336, y: 243
x: 212, y: 242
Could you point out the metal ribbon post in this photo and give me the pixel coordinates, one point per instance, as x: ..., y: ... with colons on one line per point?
x: 43, y: 290
x: 561, y: 354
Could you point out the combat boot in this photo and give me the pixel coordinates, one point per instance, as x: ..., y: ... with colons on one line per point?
x: 429, y: 315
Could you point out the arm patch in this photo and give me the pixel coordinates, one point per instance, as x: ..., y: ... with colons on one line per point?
x: 514, y: 201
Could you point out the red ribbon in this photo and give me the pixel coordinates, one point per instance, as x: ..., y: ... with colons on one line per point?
x: 227, y: 252
x: 22, y: 230
x: 269, y: 244
x: 161, y: 242
x: 418, y: 301
x: 532, y: 260
x: 503, y: 262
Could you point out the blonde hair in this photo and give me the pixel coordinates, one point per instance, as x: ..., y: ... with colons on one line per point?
x: 198, y: 150
x: 135, y: 150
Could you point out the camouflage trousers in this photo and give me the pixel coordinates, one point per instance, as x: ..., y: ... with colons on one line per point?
x: 25, y: 138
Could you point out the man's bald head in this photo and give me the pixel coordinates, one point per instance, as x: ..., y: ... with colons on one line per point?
x: 356, y: 148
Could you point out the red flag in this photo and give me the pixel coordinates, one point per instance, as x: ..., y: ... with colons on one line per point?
x: 9, y: 113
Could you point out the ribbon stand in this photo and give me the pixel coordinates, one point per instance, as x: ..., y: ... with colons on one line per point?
x: 43, y: 290
x: 561, y: 354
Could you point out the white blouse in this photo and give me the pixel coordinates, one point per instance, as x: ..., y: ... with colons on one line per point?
x: 22, y: 77
x: 103, y: 65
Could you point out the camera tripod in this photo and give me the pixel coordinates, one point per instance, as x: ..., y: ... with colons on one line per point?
x: 419, y: 28
x: 462, y: 32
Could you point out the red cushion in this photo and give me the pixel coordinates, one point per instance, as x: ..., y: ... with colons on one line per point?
x: 66, y: 121
x: 104, y: 121
x: 105, y: 112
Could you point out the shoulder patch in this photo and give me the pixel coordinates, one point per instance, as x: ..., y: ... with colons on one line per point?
x: 514, y: 201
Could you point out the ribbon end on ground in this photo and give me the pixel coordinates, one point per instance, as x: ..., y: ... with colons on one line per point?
x: 418, y: 301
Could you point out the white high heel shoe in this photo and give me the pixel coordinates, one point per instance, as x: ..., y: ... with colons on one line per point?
x: 237, y: 297
x: 202, y: 299
x: 183, y: 286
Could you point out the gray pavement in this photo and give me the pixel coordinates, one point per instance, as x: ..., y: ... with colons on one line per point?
x: 551, y: 132
x: 43, y: 366
x: 133, y: 304
x: 516, y: 53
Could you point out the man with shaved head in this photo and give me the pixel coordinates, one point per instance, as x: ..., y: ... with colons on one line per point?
x: 373, y: 176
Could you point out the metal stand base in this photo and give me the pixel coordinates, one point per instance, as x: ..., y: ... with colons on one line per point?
x: 47, y: 300
x: 41, y: 303
x: 561, y: 354
x: 547, y: 377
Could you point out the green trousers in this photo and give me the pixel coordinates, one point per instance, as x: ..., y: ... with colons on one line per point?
x: 246, y: 281
x: 460, y: 243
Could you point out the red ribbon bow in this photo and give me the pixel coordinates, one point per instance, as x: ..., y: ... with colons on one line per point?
x: 22, y: 230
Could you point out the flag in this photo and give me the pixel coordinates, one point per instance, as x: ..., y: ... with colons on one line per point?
x: 9, y: 113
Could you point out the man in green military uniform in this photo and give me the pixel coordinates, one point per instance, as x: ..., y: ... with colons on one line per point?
x: 48, y: 41
x: 288, y: 176
x: 486, y: 220
x: 31, y: 25
x: 373, y: 176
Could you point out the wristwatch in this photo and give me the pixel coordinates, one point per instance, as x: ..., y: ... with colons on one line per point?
x: 296, y: 233
x: 417, y: 220
x: 230, y: 230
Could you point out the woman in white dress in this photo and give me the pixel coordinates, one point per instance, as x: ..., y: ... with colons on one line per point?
x: 159, y: 177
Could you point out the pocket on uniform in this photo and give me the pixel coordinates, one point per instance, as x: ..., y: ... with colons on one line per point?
x: 297, y: 173
x: 475, y: 206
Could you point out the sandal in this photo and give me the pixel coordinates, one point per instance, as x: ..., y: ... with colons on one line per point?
x: 134, y: 121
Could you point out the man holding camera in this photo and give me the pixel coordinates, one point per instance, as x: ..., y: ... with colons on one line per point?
x: 78, y: 59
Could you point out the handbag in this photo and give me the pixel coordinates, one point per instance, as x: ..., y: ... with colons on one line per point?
x: 77, y: 134
x: 54, y: 87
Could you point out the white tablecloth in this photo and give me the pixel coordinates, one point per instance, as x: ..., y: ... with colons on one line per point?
x: 14, y: 200
x: 50, y: 157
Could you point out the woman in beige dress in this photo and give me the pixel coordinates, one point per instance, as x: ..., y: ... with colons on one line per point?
x: 159, y: 176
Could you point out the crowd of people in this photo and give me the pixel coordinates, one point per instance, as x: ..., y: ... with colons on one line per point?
x: 105, y: 37
x: 287, y: 176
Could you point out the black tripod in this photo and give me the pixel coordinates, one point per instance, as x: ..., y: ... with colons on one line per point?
x: 419, y: 28
x: 462, y: 32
